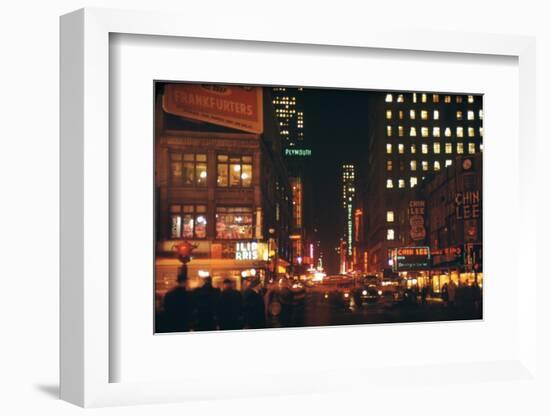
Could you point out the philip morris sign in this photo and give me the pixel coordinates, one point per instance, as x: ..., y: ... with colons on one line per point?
x: 229, y: 106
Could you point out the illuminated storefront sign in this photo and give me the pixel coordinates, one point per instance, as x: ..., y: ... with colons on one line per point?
x: 251, y: 250
x: 411, y: 258
x: 298, y: 152
x: 468, y: 205
x: 416, y: 211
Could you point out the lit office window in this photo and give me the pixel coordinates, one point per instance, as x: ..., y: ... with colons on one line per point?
x: 471, y: 148
x: 471, y: 132
x: 400, y: 98
x: 413, y: 181
x: 470, y: 99
x: 437, y: 148
x: 424, y: 165
x: 401, y: 148
x: 471, y: 115
x: 412, y: 132
x: 436, y: 132
x: 388, y: 131
x: 188, y: 169
x: 389, y: 165
x: 389, y: 98
x: 448, y: 148
x: 436, y: 114
x: 425, y: 132
x: 437, y: 166
x: 459, y: 115
x: 388, y: 114
x: 389, y: 183
x: 413, y: 165
x: 424, y: 149
x: 435, y: 98
x: 388, y: 148
x: 481, y: 131
x: 447, y: 99
x: 480, y: 114
x: 424, y: 114
x: 458, y: 99
x: 401, y: 183
x: 234, y: 171
x: 400, y: 131
x: 390, y: 234
x: 424, y: 98
x: 448, y: 162
x: 447, y: 132
x: 389, y: 216
x: 460, y: 132
x: 412, y: 114
x: 414, y: 97
x: 413, y: 149
x: 460, y: 148
x: 400, y: 114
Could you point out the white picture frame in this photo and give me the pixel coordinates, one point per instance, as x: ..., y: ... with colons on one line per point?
x: 85, y: 212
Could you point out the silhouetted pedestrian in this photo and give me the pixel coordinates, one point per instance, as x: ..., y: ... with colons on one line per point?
x: 177, y: 306
x: 254, y: 308
x: 230, y: 307
x: 205, y: 300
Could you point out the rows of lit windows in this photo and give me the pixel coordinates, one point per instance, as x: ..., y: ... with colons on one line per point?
x: 435, y: 132
x: 436, y: 148
x: 413, y: 165
x: 400, y: 98
x: 425, y: 114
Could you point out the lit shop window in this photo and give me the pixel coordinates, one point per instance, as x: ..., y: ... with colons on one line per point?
x: 470, y: 99
x: 388, y: 131
x: 188, y: 169
x: 234, y: 171
x: 436, y: 114
x: 448, y: 162
x: 389, y: 98
x: 388, y: 148
x: 471, y: 115
x: 458, y: 99
x: 388, y: 114
x: 459, y: 115
x: 413, y: 181
x: 460, y: 148
x: 447, y: 132
x: 436, y: 132
x: 400, y: 98
x: 471, y: 148
x: 389, y: 165
x: 401, y: 148
x: 188, y: 221
x: 412, y: 114
x: 400, y: 131
x: 412, y: 132
x: 424, y: 115
x: 435, y: 98
x: 437, y: 148
x: 471, y: 132
x: 460, y: 132
x: 425, y: 132
x: 424, y: 98
x: 389, y: 216
x: 413, y: 149
x: 447, y: 99
x: 424, y: 165
x: 424, y: 149
x: 413, y: 165
x: 390, y: 234
x: 234, y: 223
x: 389, y: 183
x: 437, y: 165
x: 448, y: 148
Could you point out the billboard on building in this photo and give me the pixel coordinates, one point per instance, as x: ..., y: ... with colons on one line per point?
x: 237, y: 107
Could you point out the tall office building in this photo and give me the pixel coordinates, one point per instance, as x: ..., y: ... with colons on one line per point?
x: 412, y: 136
x: 348, y: 202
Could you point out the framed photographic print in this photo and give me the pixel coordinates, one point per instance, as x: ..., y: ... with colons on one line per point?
x: 296, y: 210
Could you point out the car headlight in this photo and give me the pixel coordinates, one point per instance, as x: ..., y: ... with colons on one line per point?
x: 364, y: 293
x: 346, y: 295
x: 380, y: 292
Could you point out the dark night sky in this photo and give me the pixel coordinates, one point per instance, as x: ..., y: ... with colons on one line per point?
x: 335, y: 124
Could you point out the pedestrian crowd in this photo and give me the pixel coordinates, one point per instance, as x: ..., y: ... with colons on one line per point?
x: 208, y: 308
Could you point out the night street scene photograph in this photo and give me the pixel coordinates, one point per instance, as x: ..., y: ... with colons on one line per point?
x: 289, y: 206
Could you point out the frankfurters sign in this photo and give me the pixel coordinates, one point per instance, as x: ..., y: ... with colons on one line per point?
x: 231, y: 106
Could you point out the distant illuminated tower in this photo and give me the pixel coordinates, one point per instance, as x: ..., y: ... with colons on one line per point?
x: 290, y: 115
x: 348, y: 197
